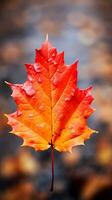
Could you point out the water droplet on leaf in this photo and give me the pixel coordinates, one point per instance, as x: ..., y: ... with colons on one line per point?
x: 42, y: 125
x: 30, y: 78
x: 54, y: 62
x: 73, y: 92
x: 67, y: 98
x: 19, y: 113
x: 41, y: 107
x: 37, y: 68
x: 60, y: 116
x: 30, y: 115
x: 53, y: 54
x: 29, y: 90
x: 72, y: 131
x: 54, y: 81
x: 50, y: 59
x: 30, y: 66
x: 60, y: 70
x: 39, y: 80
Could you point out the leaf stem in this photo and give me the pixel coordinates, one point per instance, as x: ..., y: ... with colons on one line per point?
x: 52, y: 160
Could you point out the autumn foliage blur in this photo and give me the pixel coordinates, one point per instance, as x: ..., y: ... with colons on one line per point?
x: 83, y: 29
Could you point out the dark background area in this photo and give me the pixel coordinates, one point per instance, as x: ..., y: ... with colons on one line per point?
x: 83, y: 29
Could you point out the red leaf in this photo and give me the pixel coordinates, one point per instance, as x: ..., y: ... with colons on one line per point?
x: 51, y: 109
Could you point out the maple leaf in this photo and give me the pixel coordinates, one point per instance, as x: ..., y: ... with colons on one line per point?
x: 51, y: 109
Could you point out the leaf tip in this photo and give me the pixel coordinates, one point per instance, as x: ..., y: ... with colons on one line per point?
x: 6, y: 115
x: 8, y: 83
x: 77, y: 62
x: 47, y: 38
x: 70, y: 150
x: 23, y: 144
x: 96, y: 131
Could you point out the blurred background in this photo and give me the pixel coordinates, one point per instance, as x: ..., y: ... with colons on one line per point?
x: 83, y: 29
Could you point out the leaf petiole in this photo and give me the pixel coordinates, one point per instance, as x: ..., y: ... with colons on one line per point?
x: 52, y: 162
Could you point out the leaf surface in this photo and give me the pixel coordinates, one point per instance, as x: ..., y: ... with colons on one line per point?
x: 51, y: 109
